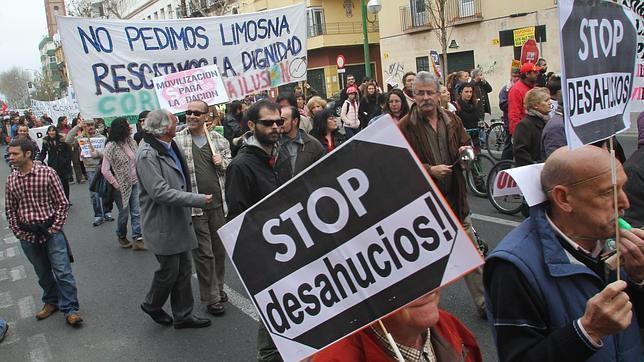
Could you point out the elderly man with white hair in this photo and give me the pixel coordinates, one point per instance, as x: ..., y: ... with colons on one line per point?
x: 166, y: 203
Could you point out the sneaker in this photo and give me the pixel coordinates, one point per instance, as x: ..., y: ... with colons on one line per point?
x: 124, y: 242
x: 108, y: 216
x: 138, y: 244
x: 46, y: 311
x: 74, y: 319
x: 97, y: 221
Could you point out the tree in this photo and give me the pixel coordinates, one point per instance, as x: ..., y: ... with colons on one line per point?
x: 14, y: 85
x: 46, y: 88
x: 201, y: 8
x: 94, y: 9
x: 437, y: 10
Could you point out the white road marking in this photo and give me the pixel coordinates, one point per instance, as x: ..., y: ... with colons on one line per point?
x: 496, y: 220
x: 26, y: 307
x: 18, y: 273
x: 11, y: 252
x: 5, y: 300
x: 239, y: 301
x: 10, y: 239
x: 39, y: 348
x: 242, y: 303
x: 3, y: 274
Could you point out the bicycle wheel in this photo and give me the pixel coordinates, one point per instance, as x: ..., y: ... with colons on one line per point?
x: 495, y: 140
x: 510, y: 204
x: 477, y: 175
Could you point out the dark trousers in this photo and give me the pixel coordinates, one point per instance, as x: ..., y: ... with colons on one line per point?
x: 508, y: 152
x: 210, y: 255
x: 64, y: 179
x: 173, y: 280
x: 266, y: 349
x: 77, y: 165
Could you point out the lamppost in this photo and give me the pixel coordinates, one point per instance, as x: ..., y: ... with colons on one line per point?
x: 373, y: 7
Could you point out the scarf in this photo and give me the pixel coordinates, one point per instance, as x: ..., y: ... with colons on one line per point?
x: 535, y: 113
x: 121, y: 165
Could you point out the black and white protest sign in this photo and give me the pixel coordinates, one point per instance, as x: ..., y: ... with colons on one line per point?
x: 359, y: 234
x: 598, y: 50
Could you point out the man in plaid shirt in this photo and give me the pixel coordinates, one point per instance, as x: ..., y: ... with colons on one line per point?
x: 207, y: 168
x: 36, y: 209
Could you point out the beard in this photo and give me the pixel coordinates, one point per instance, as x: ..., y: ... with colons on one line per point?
x: 267, y: 139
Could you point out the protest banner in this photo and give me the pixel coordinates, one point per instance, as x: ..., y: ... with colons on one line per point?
x: 37, y: 134
x: 112, y: 62
x: 60, y: 107
x: 637, y: 97
x: 347, y: 242
x: 176, y: 90
x: 435, y: 60
x: 97, y: 142
x: 598, y: 50
x: 522, y: 35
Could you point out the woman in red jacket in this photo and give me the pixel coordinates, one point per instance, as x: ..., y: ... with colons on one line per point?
x: 418, y: 328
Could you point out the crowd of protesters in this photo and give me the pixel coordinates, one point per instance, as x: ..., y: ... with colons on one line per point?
x: 547, y: 290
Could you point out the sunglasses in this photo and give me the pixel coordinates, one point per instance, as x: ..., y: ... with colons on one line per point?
x: 270, y: 122
x: 195, y: 113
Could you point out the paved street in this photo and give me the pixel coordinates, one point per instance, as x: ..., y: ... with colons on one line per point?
x: 112, y: 282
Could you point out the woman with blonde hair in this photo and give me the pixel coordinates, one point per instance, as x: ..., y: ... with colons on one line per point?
x: 315, y: 105
x: 526, y: 139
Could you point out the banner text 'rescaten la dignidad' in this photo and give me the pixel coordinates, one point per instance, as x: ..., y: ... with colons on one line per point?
x: 112, y: 62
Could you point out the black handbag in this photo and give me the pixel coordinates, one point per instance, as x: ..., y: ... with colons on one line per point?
x: 100, y: 185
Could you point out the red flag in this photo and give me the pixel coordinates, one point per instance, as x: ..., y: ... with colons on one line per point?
x: 4, y: 107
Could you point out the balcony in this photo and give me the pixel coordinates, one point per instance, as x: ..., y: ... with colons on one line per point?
x: 418, y: 17
x: 314, y: 30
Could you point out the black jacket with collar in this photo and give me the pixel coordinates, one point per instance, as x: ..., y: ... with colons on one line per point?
x: 249, y: 178
x: 308, y: 152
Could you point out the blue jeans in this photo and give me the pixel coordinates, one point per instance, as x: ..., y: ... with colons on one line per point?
x: 97, y: 202
x: 54, y: 271
x: 134, y: 209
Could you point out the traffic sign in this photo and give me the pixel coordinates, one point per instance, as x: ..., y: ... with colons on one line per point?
x: 340, y: 61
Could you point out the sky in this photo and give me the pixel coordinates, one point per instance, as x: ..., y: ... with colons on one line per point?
x: 23, y: 25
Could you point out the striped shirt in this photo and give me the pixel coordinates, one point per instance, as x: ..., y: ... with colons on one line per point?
x: 34, y: 198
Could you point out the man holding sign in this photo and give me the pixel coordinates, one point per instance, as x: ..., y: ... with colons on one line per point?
x: 550, y: 283
x: 207, y: 157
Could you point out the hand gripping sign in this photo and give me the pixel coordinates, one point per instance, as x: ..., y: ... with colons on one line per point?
x: 356, y: 236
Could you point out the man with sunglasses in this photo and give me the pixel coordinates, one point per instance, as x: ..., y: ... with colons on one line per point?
x: 551, y: 283
x: 251, y: 176
x: 207, y: 173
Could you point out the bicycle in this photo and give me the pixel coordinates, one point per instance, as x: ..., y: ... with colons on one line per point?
x: 495, y: 138
x: 476, y: 172
x: 508, y: 204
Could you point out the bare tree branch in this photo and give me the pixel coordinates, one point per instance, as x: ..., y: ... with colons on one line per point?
x: 13, y: 84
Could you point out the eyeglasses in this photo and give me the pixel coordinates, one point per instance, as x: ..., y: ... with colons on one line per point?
x: 269, y: 122
x: 195, y: 113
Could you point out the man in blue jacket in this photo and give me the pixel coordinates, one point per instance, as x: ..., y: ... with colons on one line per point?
x: 551, y: 286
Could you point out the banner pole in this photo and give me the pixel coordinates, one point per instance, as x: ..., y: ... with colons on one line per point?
x: 392, y: 343
x: 212, y: 147
x: 613, y: 172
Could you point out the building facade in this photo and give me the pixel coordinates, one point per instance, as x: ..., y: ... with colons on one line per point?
x: 50, y: 68
x: 481, y: 34
x: 163, y: 9
x: 53, y: 8
x: 334, y: 28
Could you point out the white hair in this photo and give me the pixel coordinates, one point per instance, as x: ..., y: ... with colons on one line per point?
x: 426, y: 78
x: 157, y: 122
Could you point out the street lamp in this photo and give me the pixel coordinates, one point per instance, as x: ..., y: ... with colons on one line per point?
x: 373, y: 7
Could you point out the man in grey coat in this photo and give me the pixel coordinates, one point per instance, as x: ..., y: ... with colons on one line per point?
x: 166, y: 203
